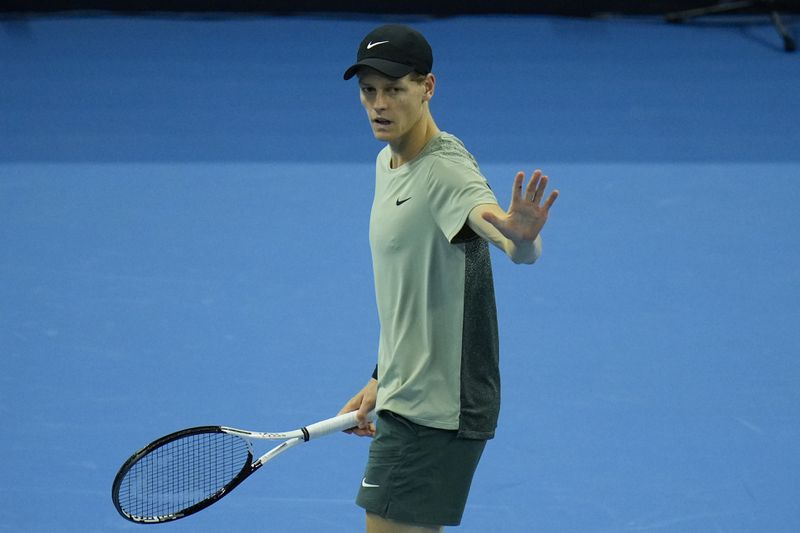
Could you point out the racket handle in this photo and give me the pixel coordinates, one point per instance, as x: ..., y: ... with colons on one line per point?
x: 333, y: 425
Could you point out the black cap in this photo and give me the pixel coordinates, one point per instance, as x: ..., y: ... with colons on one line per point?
x: 394, y: 50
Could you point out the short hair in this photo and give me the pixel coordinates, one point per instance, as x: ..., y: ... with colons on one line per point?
x: 414, y: 76
x: 417, y: 77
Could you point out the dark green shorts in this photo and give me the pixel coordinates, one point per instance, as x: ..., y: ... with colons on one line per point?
x: 416, y: 474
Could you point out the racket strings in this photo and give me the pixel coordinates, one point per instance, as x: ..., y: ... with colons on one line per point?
x: 182, y: 473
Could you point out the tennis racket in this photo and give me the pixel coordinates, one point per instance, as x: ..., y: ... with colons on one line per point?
x: 186, y: 471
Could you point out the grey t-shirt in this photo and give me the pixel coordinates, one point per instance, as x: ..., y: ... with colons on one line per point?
x: 438, y: 349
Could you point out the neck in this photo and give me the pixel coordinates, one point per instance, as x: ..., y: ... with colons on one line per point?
x: 408, y: 147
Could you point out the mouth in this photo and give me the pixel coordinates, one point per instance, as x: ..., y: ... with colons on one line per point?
x: 379, y: 121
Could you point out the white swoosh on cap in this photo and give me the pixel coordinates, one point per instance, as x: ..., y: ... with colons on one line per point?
x: 373, y: 45
x: 368, y: 485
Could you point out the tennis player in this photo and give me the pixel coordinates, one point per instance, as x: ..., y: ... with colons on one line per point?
x: 436, y: 385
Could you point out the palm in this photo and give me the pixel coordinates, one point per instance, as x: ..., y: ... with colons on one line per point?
x: 527, y: 214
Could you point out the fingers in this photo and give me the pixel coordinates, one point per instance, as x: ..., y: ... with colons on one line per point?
x: 365, y: 428
x: 551, y: 199
x: 516, y: 193
x: 363, y: 403
x: 369, y: 431
x: 536, y: 188
x: 361, y: 416
x: 533, y: 186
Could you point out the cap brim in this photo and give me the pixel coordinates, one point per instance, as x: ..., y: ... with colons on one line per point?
x: 389, y: 68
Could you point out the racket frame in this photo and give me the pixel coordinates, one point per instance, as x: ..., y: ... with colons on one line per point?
x: 290, y: 440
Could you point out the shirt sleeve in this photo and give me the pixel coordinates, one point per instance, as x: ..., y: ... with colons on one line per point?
x: 454, y: 190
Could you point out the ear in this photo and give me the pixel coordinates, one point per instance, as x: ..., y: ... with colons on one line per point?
x: 430, y: 87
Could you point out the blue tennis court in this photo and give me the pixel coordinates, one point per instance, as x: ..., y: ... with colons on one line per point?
x: 183, y: 241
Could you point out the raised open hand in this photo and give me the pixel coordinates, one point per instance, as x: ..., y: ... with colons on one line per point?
x: 527, y: 214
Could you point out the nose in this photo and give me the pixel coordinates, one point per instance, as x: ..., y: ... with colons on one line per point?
x: 379, y: 103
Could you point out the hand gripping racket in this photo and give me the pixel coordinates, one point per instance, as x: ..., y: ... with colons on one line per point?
x: 186, y: 471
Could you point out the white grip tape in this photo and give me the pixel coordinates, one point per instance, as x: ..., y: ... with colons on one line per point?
x: 332, y: 425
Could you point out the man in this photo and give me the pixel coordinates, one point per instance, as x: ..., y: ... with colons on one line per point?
x: 436, y: 387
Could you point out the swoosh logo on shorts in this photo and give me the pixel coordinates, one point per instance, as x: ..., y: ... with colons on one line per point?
x: 368, y: 485
x: 401, y: 202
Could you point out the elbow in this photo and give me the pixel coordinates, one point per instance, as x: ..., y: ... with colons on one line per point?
x: 528, y: 259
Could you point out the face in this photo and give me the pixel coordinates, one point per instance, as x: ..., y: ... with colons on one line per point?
x: 394, y: 106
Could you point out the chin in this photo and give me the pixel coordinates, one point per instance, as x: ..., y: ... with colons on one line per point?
x: 382, y: 135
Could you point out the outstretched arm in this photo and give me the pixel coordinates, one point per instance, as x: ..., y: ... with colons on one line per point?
x: 516, y: 231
